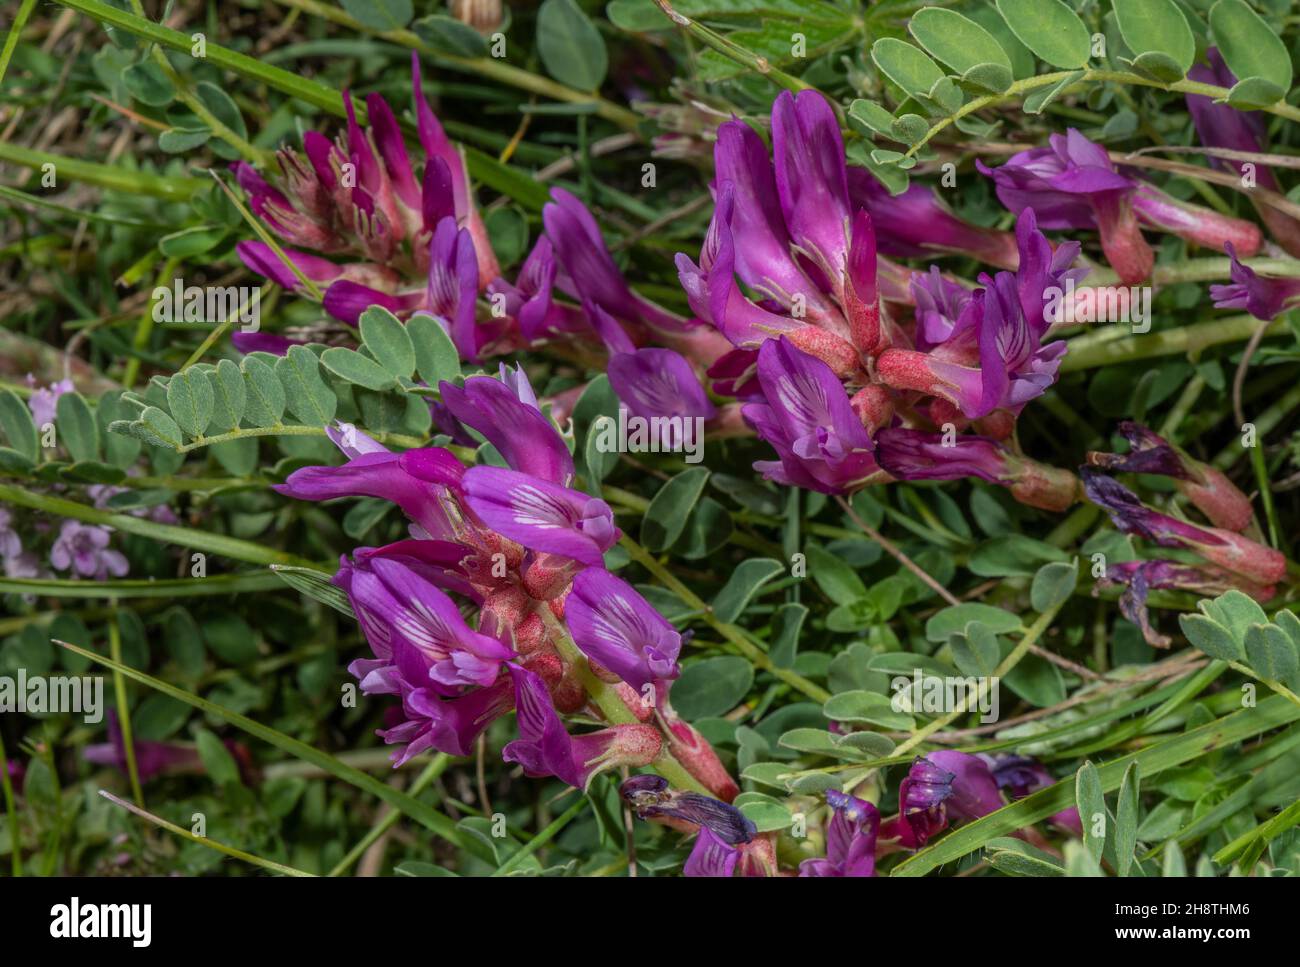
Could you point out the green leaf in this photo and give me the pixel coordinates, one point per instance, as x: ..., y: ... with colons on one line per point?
x: 449, y: 36
x: 18, y: 426
x: 570, y: 46
x: 1250, y: 47
x: 1270, y: 653
x: 352, y: 367
x: 380, y: 15
x: 316, y: 585
x: 787, y: 624
x: 744, y: 583
x: 180, y: 140
x: 190, y: 399
x: 217, y: 760
x: 1211, y: 638
x: 1157, y: 26
x: 1012, y: 555
x: 1126, y: 820
x: 954, y: 619
x: 224, y: 109
x: 147, y: 83
x: 1016, y: 858
x: 306, y: 394
x: 957, y: 41
x: 1050, y: 29
x: 1053, y: 585
x: 436, y: 356
x: 869, y: 118
x: 712, y: 687
x: 1037, y: 102
x: 1254, y: 93
x: 763, y: 811
x: 839, y: 581
x: 387, y: 340
x: 1092, y: 809
x: 869, y: 707
x: 192, y: 241
x: 666, y: 516
x: 1174, y: 864
x: 77, y: 429
x: 265, y: 397
x: 976, y: 651
x: 156, y: 427
x: 228, y: 397
x: 908, y: 67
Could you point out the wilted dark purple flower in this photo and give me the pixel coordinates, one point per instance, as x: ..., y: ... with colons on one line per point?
x: 850, y: 838
x: 1255, y: 562
x: 807, y: 419
x: 1139, y: 578
x: 941, y: 787
x: 1262, y: 297
x: 916, y: 455
x: 1204, y: 485
x: 727, y: 840
x: 617, y: 628
x: 545, y: 748
x: 83, y: 548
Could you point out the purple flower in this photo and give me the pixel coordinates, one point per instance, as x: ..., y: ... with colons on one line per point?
x: 1139, y: 578
x: 917, y: 224
x: 659, y: 385
x: 1019, y: 776
x: 942, y: 787
x: 1205, y: 486
x: 614, y: 626
x: 428, y: 720
x: 545, y: 748
x: 418, y: 481
x: 84, y: 549
x: 263, y: 342
x: 11, y: 544
x: 406, y: 617
x: 1263, y: 298
x: 521, y: 434
x: 939, y: 301
x: 1073, y: 185
x: 807, y: 419
x: 541, y: 516
x: 151, y: 758
x: 1255, y: 562
x: 44, y: 400
x: 786, y: 229
x: 850, y: 839
x: 726, y: 839
x: 1219, y: 125
x: 915, y: 455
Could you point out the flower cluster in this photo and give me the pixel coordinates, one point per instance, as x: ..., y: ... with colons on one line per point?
x: 823, y: 355
x: 1225, y: 556
x: 522, y: 551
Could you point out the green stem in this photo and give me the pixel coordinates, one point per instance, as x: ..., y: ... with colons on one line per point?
x: 104, y: 176
x: 1264, y: 423
x: 220, y: 544
x: 541, y: 839
x: 15, y: 34
x: 417, y: 810
x: 144, y: 326
x: 11, y: 810
x: 1115, y: 345
x: 730, y: 632
x: 123, y: 710
x: 608, y: 701
x: 183, y: 833
x: 431, y: 772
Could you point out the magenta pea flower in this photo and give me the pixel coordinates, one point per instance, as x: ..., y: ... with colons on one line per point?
x: 541, y: 516
x: 617, y: 628
x: 916, y: 224
x: 850, y: 838
x: 1020, y: 776
x: 916, y: 455
x: 660, y: 386
x: 545, y: 747
x: 1255, y: 562
x: 44, y: 399
x: 1263, y: 297
x: 806, y: 417
x: 524, y: 437
x: 428, y: 720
